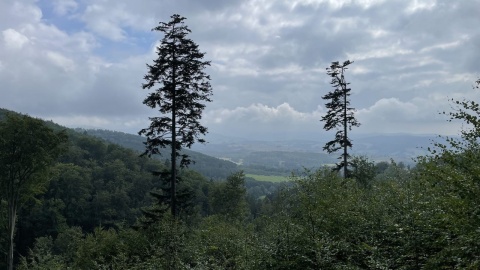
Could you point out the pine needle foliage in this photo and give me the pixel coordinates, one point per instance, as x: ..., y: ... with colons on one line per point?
x: 340, y: 115
x: 180, y: 90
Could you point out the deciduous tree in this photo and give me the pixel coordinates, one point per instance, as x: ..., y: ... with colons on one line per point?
x: 363, y: 170
x: 28, y: 149
x: 183, y: 89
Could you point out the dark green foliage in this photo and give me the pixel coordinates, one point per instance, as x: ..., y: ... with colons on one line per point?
x: 380, y: 167
x: 454, y: 171
x: 322, y: 222
x: 41, y: 256
x: 362, y: 170
x: 3, y: 236
x: 220, y: 244
x: 102, y: 188
x: 228, y: 199
x: 183, y: 89
x: 89, y: 188
x: 421, y: 218
x: 210, y: 167
x: 339, y: 116
x: 259, y: 189
x: 28, y: 149
x: 162, y: 198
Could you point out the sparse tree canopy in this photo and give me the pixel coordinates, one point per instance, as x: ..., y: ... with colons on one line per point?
x: 467, y: 111
x: 339, y: 116
x: 182, y: 90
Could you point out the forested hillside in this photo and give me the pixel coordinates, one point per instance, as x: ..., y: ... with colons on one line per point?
x: 96, y: 184
x: 261, y: 161
x: 210, y: 167
x: 97, y: 213
x: 93, y: 184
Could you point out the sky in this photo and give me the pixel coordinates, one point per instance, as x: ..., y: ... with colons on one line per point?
x: 81, y: 63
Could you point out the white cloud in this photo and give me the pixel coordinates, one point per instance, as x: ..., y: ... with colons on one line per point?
x: 390, y: 109
x: 263, y: 121
x: 61, y: 61
x: 109, y: 25
x: 13, y: 39
x: 358, y: 69
x: 25, y: 11
x: 416, y: 116
x: 390, y: 51
x: 260, y: 113
x: 39, y: 60
x: 419, y: 5
x: 442, y: 46
x: 376, y: 32
x: 262, y: 18
x: 81, y: 121
x: 87, y: 59
x: 338, y: 4
x: 113, y: 19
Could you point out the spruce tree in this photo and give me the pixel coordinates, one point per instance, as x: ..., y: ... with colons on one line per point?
x: 182, y: 88
x: 339, y: 116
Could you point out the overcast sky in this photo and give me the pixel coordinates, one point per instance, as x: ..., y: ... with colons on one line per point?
x: 81, y: 62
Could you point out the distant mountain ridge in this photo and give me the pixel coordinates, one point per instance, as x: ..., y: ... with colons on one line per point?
x: 211, y: 167
x: 222, y: 155
x: 239, y: 153
x: 378, y: 147
x: 208, y: 166
x: 401, y: 147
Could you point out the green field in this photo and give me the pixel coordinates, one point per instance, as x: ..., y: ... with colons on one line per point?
x: 268, y: 178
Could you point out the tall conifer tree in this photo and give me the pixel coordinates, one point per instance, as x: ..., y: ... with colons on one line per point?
x: 339, y: 116
x: 183, y: 89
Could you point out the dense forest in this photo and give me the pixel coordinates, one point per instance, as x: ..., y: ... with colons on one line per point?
x: 210, y: 167
x: 96, y: 184
x: 99, y: 210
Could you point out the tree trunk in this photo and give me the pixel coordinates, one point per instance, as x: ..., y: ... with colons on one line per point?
x: 173, y: 195
x: 12, y: 216
x: 174, y: 165
x: 345, y: 169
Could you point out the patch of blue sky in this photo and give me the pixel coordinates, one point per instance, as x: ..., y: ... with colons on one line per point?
x: 134, y: 43
x: 69, y: 22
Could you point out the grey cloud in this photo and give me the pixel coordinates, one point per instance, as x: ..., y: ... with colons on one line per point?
x: 406, y: 66
x: 18, y: 13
